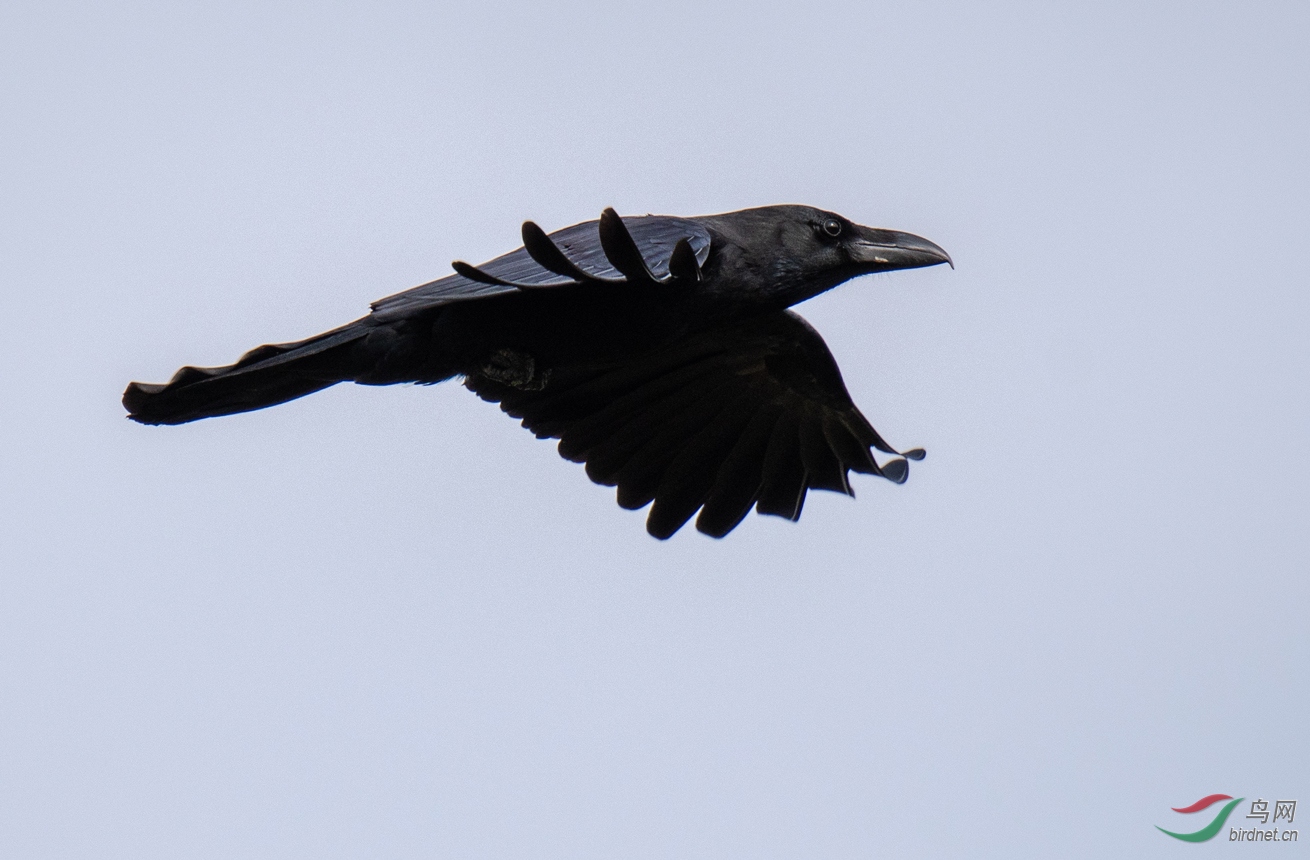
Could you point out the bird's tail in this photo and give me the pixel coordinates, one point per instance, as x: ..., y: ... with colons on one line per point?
x: 265, y: 376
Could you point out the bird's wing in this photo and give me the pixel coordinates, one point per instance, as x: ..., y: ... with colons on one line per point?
x: 752, y: 413
x: 610, y: 250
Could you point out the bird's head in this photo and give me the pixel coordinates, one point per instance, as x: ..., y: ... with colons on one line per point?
x: 787, y: 254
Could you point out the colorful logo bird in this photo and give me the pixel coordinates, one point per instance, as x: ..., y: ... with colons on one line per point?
x: 1208, y: 831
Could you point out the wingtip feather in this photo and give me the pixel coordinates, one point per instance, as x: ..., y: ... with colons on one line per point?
x: 896, y: 471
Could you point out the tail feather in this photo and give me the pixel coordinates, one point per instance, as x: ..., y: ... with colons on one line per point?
x: 265, y: 376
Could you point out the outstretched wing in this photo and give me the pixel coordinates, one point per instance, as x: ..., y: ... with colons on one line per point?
x: 650, y: 248
x: 752, y: 413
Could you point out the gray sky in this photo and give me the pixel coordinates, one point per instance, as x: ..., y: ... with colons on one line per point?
x: 389, y: 622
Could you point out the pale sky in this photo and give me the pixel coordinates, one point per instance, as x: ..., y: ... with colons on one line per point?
x: 388, y: 622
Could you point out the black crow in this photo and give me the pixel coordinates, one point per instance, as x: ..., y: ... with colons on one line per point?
x: 658, y: 350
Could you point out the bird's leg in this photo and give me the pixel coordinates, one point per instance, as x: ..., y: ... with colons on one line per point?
x: 515, y: 369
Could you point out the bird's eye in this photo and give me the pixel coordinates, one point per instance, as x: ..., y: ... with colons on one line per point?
x: 832, y: 227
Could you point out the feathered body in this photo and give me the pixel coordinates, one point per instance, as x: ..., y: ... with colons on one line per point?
x: 657, y: 349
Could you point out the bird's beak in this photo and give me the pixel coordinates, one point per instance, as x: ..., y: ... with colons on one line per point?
x: 884, y: 250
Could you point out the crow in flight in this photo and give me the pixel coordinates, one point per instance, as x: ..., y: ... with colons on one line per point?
x: 658, y: 350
